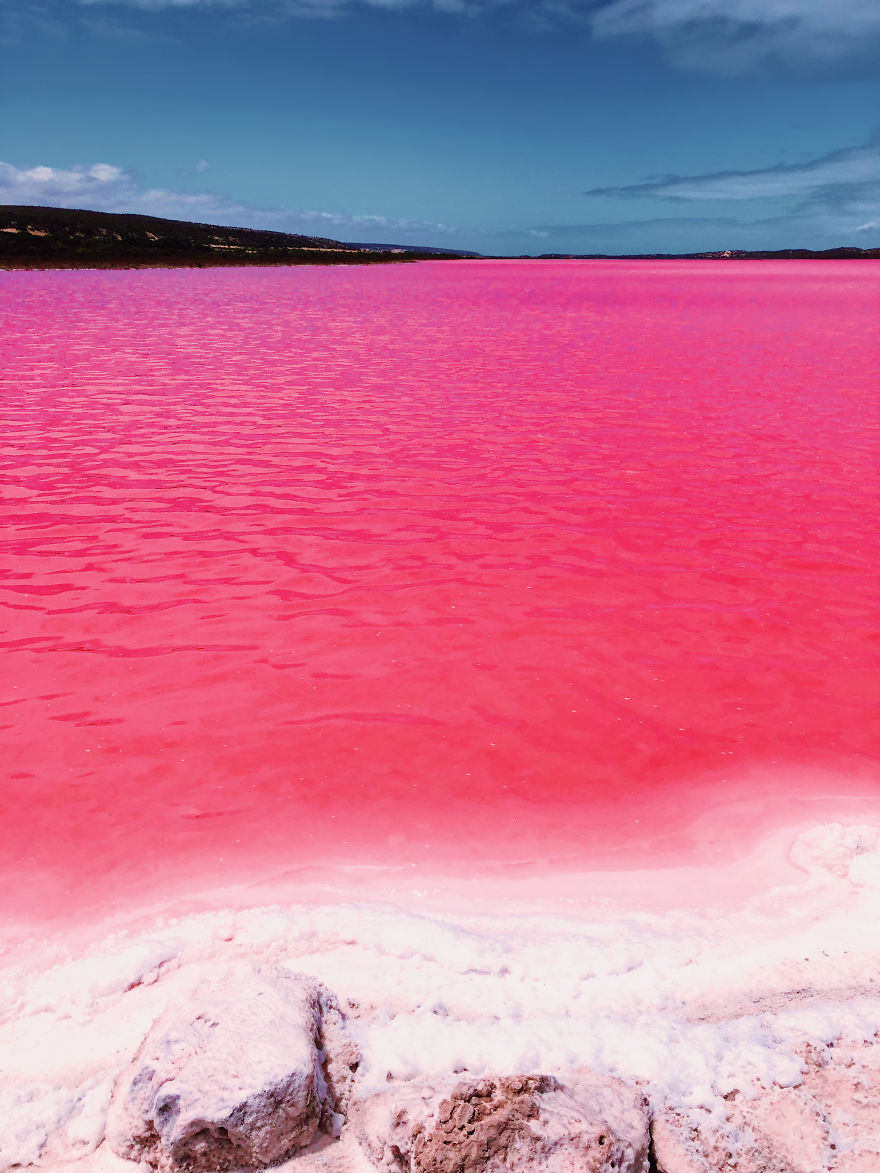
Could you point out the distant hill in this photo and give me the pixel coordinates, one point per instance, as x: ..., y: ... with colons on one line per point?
x: 418, y: 250
x: 50, y: 238
x: 730, y: 254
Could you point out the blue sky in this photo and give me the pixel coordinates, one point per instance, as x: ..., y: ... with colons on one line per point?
x: 505, y: 126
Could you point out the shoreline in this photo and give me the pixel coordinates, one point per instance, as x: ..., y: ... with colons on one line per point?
x: 333, y: 257
x: 684, y: 1003
x: 736, y: 844
x: 330, y: 258
x: 355, y: 258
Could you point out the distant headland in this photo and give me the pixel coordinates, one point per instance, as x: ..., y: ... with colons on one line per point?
x: 729, y: 254
x: 64, y: 238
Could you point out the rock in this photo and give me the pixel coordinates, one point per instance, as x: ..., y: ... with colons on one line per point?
x: 515, y: 1123
x: 830, y: 1123
x: 341, y: 1059
x: 232, y: 1079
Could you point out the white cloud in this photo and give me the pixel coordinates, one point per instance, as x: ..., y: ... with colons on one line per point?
x: 107, y: 188
x: 102, y: 172
x: 344, y: 220
x: 734, y: 34
x: 57, y: 185
x: 101, y: 186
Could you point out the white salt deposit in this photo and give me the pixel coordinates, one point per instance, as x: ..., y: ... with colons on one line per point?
x: 694, y: 1002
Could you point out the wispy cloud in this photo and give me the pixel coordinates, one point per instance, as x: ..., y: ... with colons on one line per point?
x: 655, y: 234
x: 735, y: 34
x: 815, y: 228
x: 19, y: 21
x: 730, y: 35
x: 829, y: 199
x: 280, y: 8
x: 823, y: 203
x: 156, y: 5
x: 844, y: 179
x: 108, y: 188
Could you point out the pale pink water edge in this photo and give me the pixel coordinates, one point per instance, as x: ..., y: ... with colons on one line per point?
x: 478, y: 569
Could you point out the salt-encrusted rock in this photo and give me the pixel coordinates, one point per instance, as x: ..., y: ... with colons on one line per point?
x: 341, y: 1058
x: 231, y: 1079
x: 830, y: 1123
x: 507, y: 1123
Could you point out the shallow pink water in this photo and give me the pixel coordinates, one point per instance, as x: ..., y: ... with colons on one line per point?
x: 456, y: 564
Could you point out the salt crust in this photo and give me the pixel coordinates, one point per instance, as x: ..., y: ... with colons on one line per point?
x: 694, y: 1005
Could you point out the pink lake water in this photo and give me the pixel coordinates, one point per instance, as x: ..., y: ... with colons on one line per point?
x: 469, y: 566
